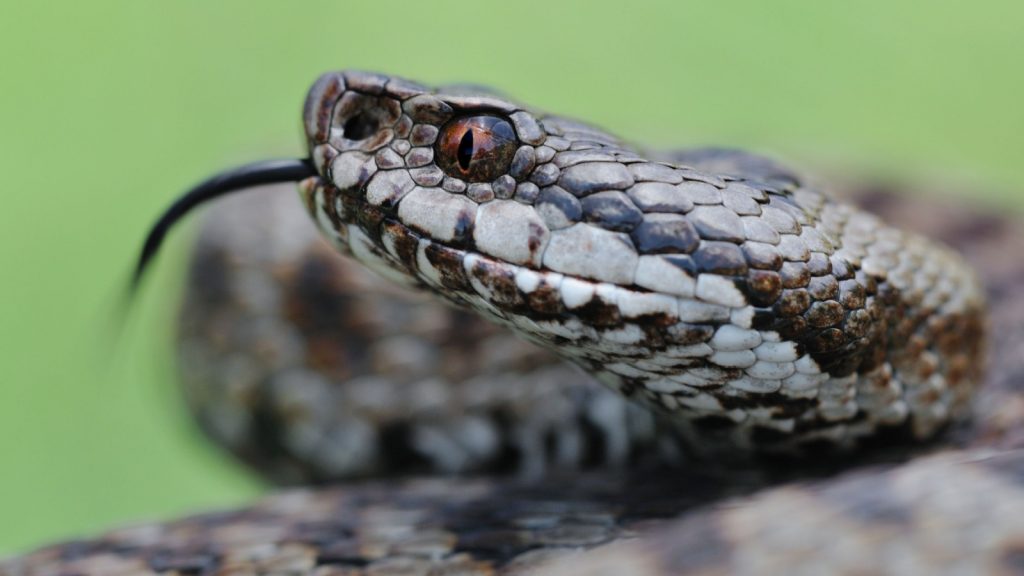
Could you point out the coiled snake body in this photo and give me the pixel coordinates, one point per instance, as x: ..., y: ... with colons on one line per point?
x: 753, y: 313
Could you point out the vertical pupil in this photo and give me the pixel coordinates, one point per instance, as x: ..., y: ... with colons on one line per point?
x: 465, y: 153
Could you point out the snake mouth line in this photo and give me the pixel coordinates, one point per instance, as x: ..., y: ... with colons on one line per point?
x: 237, y: 179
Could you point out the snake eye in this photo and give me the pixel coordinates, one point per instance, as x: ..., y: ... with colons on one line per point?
x: 477, y: 148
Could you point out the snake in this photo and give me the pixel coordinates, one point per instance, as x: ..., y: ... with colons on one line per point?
x: 728, y: 308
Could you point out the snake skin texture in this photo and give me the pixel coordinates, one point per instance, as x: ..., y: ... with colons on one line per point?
x: 955, y: 511
x: 754, y: 311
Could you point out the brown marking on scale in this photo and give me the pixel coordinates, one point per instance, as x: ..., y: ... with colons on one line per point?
x: 794, y: 275
x: 651, y: 325
x: 329, y: 204
x: 762, y: 258
x: 842, y: 269
x: 852, y: 294
x: 326, y: 156
x: 823, y: 288
x: 421, y: 134
x: 762, y: 288
x: 852, y: 359
x: 369, y: 218
x: 872, y: 285
x: 793, y: 329
x: 819, y: 265
x: 859, y: 324
x: 961, y: 344
x: 403, y: 129
x: 350, y: 203
x: 826, y: 343
x: 825, y: 314
x: 656, y: 321
x: 545, y: 300
x: 792, y: 303
x: 320, y: 104
x: 448, y: 263
x: 500, y: 279
x: 404, y: 241
x: 840, y: 340
x: 535, y: 242
x: 599, y: 314
x: 463, y: 235
x: 763, y: 319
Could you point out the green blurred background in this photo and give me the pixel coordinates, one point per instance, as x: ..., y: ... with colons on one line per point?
x: 110, y: 109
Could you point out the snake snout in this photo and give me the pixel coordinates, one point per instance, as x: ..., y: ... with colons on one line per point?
x: 350, y: 117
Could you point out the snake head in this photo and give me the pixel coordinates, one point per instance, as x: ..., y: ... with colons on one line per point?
x: 432, y: 159
x: 726, y: 293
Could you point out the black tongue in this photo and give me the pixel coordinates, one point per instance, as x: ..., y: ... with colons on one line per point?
x: 233, y: 180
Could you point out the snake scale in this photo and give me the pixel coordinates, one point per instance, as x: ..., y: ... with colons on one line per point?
x: 729, y: 309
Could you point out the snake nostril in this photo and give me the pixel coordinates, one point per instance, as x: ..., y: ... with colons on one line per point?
x: 359, y: 127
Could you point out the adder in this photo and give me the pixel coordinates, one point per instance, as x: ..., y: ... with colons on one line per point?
x: 749, y: 331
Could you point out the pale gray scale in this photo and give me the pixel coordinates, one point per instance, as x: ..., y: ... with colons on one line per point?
x: 527, y: 193
x: 546, y: 153
x: 427, y: 176
x: 523, y: 163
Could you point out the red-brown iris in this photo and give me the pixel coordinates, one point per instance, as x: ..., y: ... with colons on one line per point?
x: 476, y: 148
